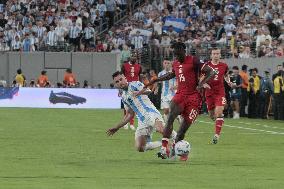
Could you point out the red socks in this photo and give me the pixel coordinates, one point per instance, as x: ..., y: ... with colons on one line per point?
x: 218, y: 125
x: 165, y: 142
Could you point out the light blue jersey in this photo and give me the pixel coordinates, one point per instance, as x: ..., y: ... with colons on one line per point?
x: 167, y: 85
x: 141, y: 104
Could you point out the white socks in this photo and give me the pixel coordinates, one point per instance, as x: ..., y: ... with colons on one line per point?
x: 153, y: 145
x: 165, y: 117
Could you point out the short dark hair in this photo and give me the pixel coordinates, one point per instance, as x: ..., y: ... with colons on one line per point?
x: 255, y: 69
x: 215, y: 48
x: 19, y: 71
x: 178, y: 45
x: 244, y: 67
x: 235, y: 68
x: 117, y: 73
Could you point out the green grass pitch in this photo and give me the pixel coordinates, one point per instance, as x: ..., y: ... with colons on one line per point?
x: 68, y: 149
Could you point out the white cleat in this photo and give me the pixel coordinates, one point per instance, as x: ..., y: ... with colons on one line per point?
x: 125, y: 126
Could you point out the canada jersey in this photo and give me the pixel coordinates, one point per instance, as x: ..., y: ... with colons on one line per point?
x: 141, y: 104
x: 187, y: 75
x: 131, y: 71
x: 167, y: 86
x: 217, y: 82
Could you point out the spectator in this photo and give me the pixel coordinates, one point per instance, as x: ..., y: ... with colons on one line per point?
x: 244, y: 52
x: 125, y: 54
x: 111, y: 8
x: 42, y: 79
x: 254, y: 90
x: 86, y: 84
x: 265, y: 95
x: 69, y: 78
x: 3, y: 82
x: 244, y: 90
x: 20, y: 78
x: 32, y: 83
x: 137, y: 40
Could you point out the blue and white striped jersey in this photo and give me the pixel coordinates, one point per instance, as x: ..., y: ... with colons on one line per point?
x: 141, y: 104
x: 167, y: 85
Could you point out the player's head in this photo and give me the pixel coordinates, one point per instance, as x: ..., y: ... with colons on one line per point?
x: 179, y: 51
x: 215, y: 54
x: 119, y: 80
x: 167, y: 65
x: 133, y: 57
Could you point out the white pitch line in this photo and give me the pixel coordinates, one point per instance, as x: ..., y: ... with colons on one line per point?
x: 246, y: 128
x: 266, y: 126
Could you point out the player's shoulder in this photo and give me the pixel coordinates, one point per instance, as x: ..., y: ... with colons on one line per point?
x: 135, y: 84
x: 223, y: 64
x: 163, y: 72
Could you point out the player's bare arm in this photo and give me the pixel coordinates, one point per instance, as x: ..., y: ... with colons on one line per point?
x: 165, y: 77
x: 130, y: 113
x: 208, y: 74
x: 144, y: 91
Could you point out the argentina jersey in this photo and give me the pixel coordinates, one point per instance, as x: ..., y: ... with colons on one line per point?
x: 141, y: 104
x: 166, y: 86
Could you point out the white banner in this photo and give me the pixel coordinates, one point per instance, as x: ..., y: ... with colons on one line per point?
x: 59, y: 98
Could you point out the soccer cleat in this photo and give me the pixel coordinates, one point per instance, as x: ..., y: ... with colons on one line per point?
x: 215, y: 139
x: 132, y: 127
x: 125, y: 126
x: 164, y: 153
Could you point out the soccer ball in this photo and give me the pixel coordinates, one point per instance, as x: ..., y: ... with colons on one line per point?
x: 182, y: 148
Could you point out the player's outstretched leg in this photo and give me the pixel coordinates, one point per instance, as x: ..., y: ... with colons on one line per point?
x: 174, y: 112
x: 143, y: 143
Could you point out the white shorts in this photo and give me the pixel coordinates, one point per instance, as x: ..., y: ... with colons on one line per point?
x: 165, y: 102
x: 147, y: 127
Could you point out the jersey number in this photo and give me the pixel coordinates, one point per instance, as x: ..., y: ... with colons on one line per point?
x: 132, y: 71
x: 193, y: 114
x: 216, y: 77
x: 181, y: 76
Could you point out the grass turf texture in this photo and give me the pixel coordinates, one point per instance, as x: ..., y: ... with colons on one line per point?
x: 66, y: 149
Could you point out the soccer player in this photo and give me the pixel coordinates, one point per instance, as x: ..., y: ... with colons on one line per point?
x: 131, y: 70
x: 215, y: 94
x: 149, y: 118
x: 187, y: 100
x: 168, y: 89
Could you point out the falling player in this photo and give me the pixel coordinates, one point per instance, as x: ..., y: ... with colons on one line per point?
x: 132, y: 70
x: 149, y: 118
x: 168, y: 89
x: 215, y: 95
x: 187, y: 100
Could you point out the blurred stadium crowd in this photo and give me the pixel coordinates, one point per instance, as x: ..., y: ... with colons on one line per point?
x: 244, y: 29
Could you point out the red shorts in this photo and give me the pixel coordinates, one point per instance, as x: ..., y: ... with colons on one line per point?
x: 213, y: 100
x: 189, y: 106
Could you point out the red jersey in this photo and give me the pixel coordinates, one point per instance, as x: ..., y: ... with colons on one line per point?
x: 217, y: 82
x: 187, y: 75
x: 131, y: 71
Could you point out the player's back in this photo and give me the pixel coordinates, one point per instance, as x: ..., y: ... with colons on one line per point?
x: 141, y: 104
x: 131, y: 71
x: 217, y: 82
x: 167, y: 85
x: 186, y: 75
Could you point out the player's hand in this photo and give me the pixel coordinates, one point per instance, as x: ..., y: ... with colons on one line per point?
x: 156, y: 91
x: 111, y: 131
